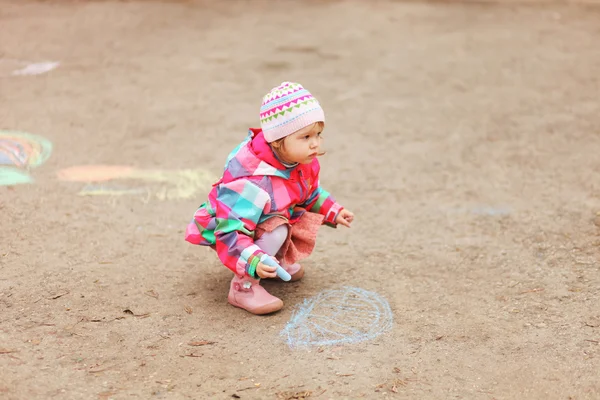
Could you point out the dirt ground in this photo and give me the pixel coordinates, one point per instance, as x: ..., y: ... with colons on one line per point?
x: 465, y: 137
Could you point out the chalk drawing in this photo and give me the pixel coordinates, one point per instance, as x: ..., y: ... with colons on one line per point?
x: 12, y: 176
x: 19, y: 152
x: 103, y: 190
x: 339, y: 316
x: 23, y: 150
x: 95, y: 173
x: 164, y: 184
x: 37, y: 68
x: 23, y: 68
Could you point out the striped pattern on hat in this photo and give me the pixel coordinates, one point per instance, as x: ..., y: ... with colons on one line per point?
x: 286, y: 109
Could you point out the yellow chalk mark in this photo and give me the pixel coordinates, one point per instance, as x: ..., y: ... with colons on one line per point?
x: 172, y: 184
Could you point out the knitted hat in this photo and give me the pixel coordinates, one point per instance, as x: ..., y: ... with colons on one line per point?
x: 286, y: 109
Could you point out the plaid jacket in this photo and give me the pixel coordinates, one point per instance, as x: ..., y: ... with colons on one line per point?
x: 255, y: 187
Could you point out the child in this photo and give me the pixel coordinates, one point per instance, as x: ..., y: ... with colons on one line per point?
x: 269, y: 202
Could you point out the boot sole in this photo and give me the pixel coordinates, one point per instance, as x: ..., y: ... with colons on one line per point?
x: 265, y: 309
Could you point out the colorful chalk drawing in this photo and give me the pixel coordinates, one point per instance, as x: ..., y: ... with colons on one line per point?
x: 339, y: 316
x: 20, y: 152
x: 12, y: 176
x: 23, y: 68
x: 162, y: 184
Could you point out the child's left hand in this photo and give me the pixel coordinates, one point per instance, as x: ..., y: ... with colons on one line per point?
x: 345, y: 218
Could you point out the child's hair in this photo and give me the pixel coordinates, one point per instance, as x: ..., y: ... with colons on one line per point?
x: 279, y: 144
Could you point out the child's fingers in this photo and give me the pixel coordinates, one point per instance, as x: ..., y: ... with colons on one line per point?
x: 265, y: 271
x: 264, y: 275
x: 349, y: 216
x: 344, y: 222
x: 266, y: 268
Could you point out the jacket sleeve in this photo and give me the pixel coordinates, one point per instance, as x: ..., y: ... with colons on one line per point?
x: 320, y: 201
x: 239, y: 206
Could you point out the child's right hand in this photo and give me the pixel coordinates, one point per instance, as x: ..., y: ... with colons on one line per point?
x: 265, y: 271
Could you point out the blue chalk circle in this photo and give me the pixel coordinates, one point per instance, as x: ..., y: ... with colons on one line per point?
x: 339, y: 316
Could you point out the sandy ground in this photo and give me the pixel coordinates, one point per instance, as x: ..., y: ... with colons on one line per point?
x: 465, y: 137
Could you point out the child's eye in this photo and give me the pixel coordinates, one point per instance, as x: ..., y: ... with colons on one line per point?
x: 307, y: 137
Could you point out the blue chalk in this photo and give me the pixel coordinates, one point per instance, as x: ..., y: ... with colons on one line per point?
x: 281, y: 273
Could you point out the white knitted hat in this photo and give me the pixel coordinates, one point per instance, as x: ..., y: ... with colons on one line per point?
x: 286, y: 109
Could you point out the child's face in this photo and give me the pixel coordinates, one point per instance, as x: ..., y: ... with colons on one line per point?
x: 302, y: 146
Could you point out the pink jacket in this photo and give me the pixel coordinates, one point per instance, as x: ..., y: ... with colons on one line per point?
x: 255, y: 187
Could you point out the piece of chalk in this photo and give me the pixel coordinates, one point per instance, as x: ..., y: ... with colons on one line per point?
x: 281, y: 273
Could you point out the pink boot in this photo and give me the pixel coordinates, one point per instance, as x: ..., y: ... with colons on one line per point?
x: 247, y: 293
